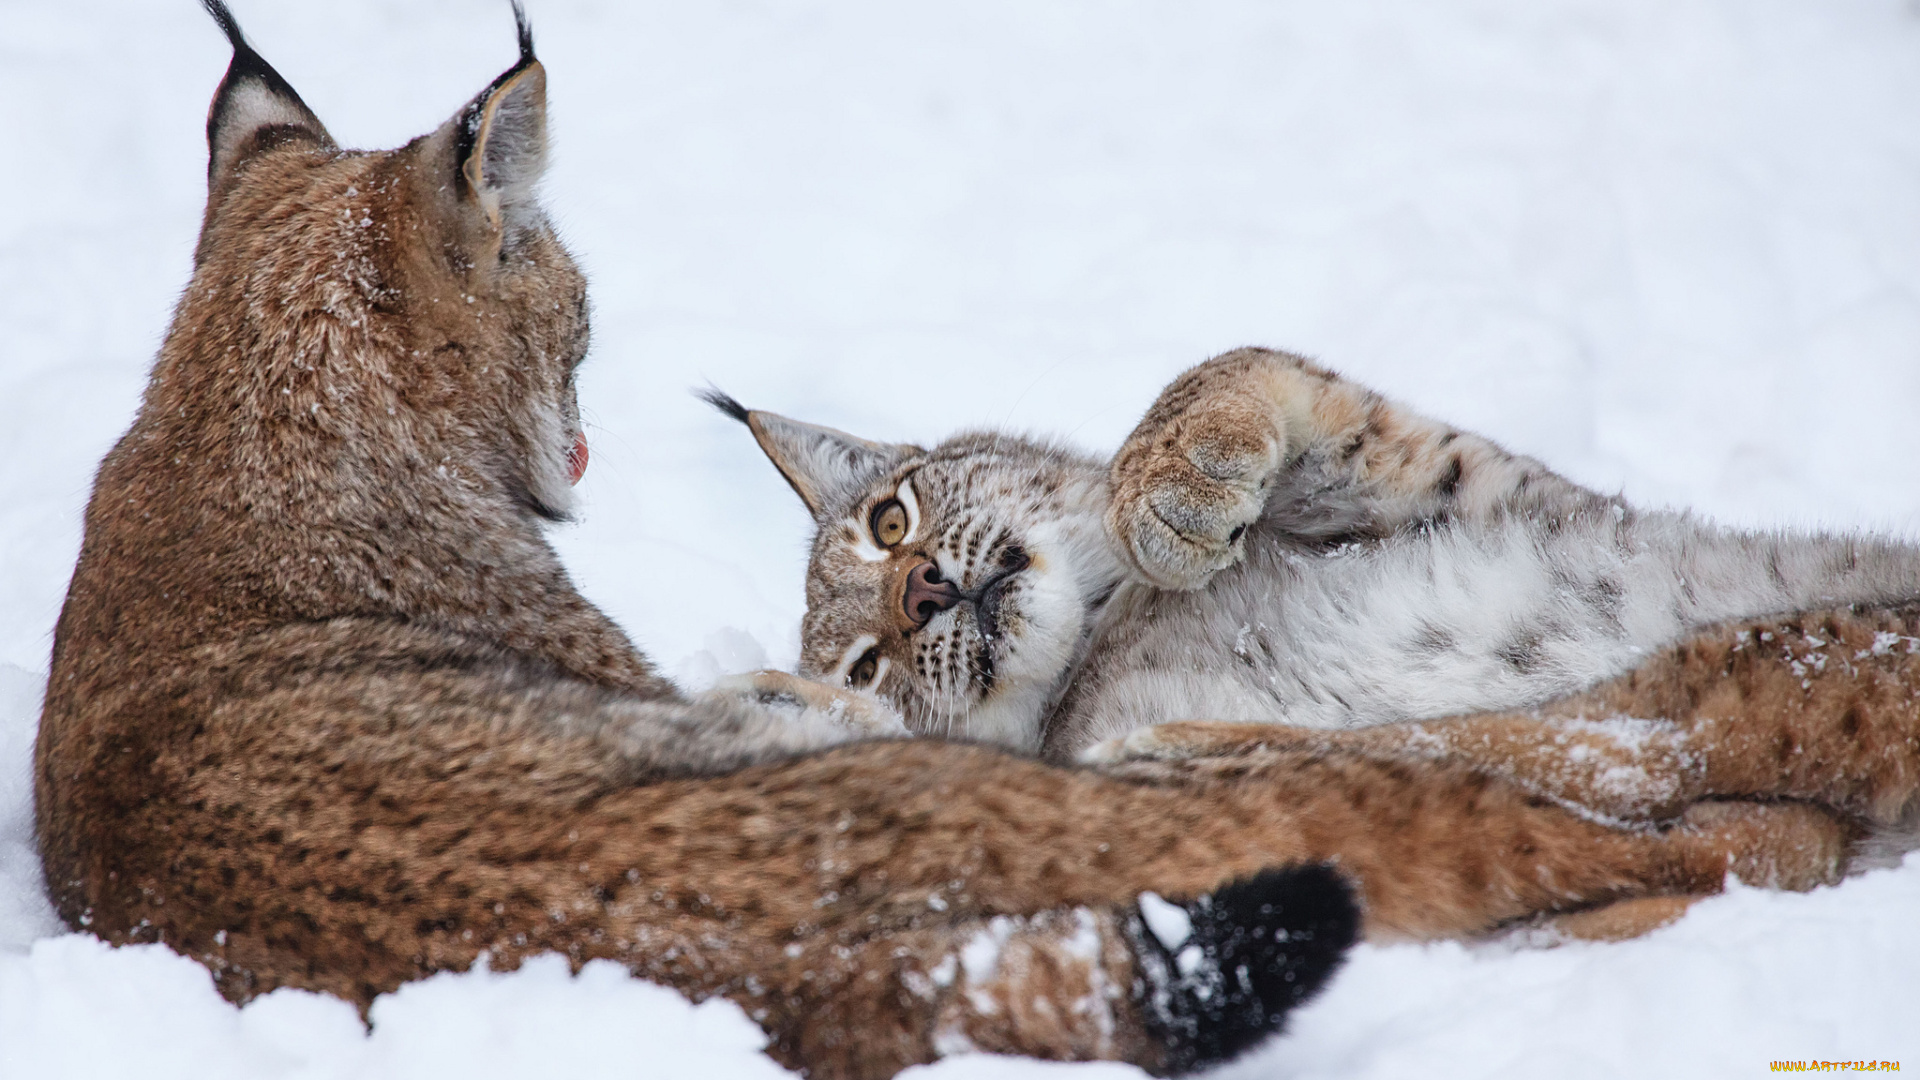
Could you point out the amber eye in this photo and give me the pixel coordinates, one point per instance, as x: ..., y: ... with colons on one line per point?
x: 864, y: 669
x: 889, y: 523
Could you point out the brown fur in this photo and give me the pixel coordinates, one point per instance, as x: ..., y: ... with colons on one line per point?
x: 1623, y: 921
x: 1822, y: 707
x: 325, y: 711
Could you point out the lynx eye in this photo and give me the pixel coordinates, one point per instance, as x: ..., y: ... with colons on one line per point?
x: 889, y: 523
x: 864, y: 669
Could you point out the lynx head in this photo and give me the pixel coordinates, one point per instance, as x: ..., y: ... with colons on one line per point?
x: 959, y: 584
x: 400, y: 315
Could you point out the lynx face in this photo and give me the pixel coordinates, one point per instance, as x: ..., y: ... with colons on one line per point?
x: 959, y: 584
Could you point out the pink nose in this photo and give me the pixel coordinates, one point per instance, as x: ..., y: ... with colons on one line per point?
x: 928, y: 594
x: 577, y: 458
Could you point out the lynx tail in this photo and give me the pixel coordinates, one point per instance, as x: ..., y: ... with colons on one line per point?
x: 1227, y: 974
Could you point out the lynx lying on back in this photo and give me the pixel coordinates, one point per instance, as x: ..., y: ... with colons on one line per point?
x: 1272, y: 543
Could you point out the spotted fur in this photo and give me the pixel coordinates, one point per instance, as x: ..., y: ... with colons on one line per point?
x: 1277, y: 544
x: 1280, y: 549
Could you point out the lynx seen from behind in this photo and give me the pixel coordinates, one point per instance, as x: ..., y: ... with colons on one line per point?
x: 326, y: 712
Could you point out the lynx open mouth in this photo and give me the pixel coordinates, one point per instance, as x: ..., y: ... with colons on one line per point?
x: 577, y: 458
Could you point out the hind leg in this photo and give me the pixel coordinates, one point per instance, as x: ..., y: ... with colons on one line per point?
x: 1782, y: 846
x: 1823, y: 707
x: 1792, y: 846
x: 1439, y: 851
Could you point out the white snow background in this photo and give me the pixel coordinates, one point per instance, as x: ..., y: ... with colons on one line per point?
x: 1670, y: 246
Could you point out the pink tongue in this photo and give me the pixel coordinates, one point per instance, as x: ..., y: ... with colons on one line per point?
x: 577, y: 458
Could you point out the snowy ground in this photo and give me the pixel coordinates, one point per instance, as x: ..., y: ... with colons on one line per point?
x: 1671, y: 246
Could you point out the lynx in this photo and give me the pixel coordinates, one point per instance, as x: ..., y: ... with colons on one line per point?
x: 1273, y: 543
x: 325, y: 711
x: 1291, y: 562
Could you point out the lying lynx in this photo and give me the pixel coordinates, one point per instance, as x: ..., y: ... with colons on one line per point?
x: 325, y: 711
x: 1273, y: 543
x: 1301, y: 563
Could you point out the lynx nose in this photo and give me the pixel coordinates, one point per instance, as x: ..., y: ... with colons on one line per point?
x: 928, y: 594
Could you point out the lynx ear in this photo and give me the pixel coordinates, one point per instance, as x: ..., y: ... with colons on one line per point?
x: 499, y: 144
x: 827, y: 468
x: 254, y: 109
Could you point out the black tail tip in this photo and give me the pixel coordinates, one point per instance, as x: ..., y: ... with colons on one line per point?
x: 723, y: 402
x: 1225, y: 977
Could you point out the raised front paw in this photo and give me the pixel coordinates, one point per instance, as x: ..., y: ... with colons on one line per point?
x: 1184, y: 491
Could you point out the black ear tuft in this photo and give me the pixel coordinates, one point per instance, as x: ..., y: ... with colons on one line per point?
x: 725, y: 403
x: 500, y: 138
x: 525, y: 32
x: 254, y: 109
x: 228, y: 24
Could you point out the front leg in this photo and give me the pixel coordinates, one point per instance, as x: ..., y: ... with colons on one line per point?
x: 1619, y: 770
x: 1822, y: 707
x: 1198, y: 469
x: 1256, y: 433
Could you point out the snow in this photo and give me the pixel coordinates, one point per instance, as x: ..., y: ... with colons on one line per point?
x: 1670, y: 246
x: 1170, y: 923
x: 145, y: 1008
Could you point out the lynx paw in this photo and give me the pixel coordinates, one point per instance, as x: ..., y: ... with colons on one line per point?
x: 1141, y: 744
x: 1792, y: 846
x: 1184, y: 740
x: 1184, y: 495
x: 863, y: 714
x: 1621, y: 920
